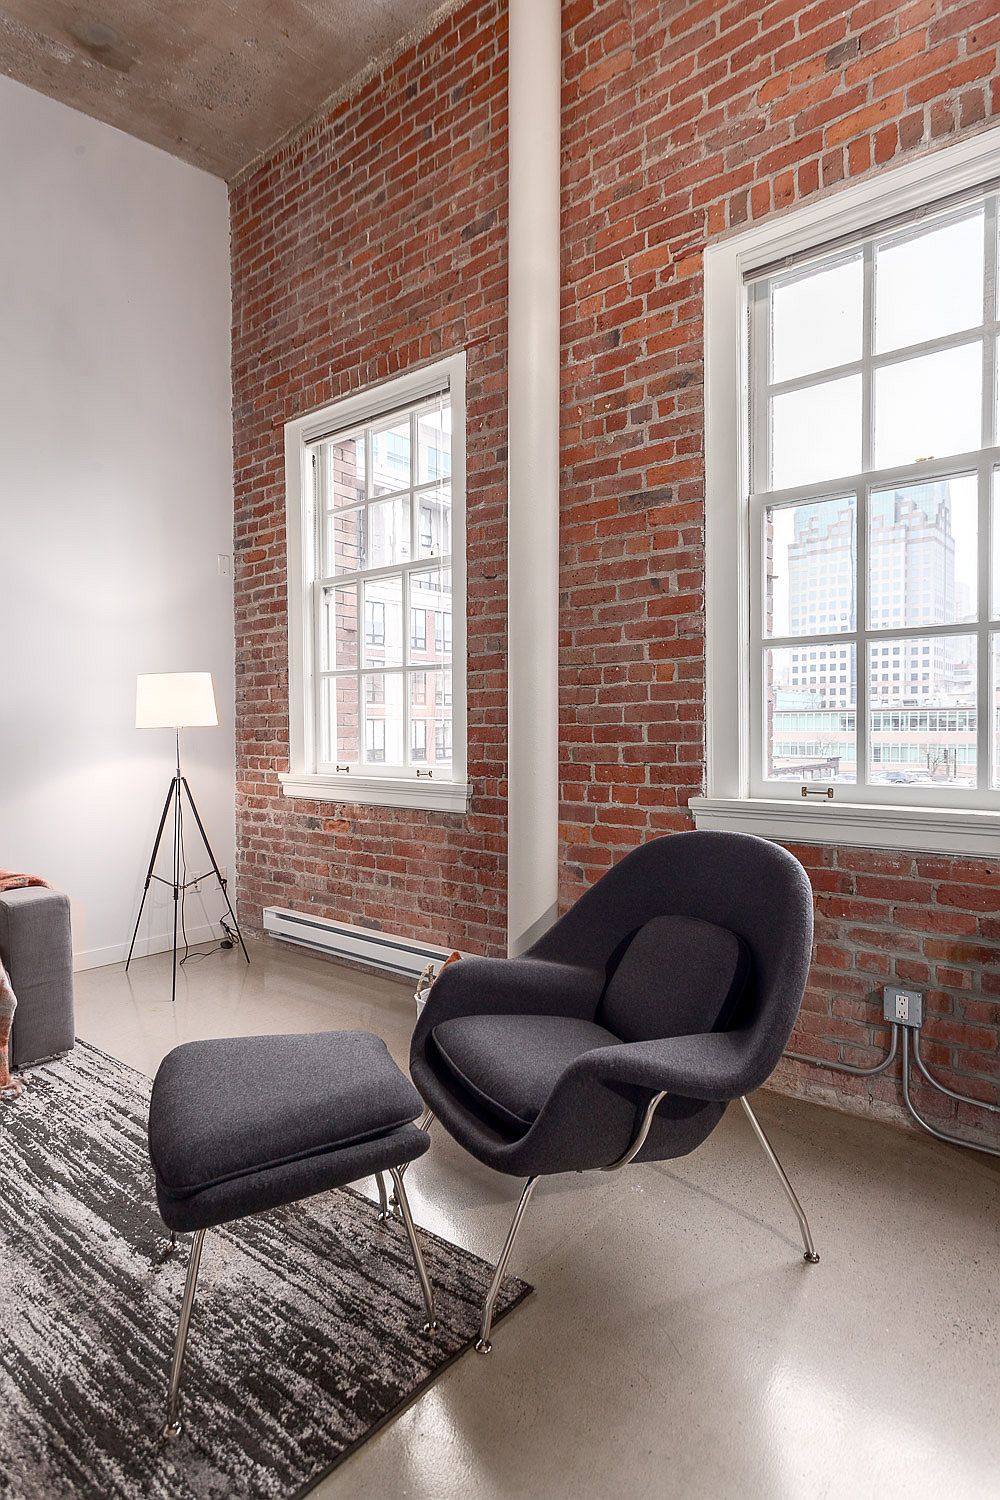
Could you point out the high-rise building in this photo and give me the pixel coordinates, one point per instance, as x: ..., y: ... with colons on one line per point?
x: 921, y: 688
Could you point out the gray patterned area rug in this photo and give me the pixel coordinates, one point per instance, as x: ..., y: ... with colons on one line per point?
x: 306, y: 1336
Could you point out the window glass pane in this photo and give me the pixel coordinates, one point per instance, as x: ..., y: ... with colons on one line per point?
x: 339, y: 632
x: 339, y: 721
x: 929, y: 406
x: 430, y: 717
x: 995, y: 705
x: 816, y: 432
x: 922, y: 553
x: 434, y: 443
x: 345, y: 542
x: 810, y: 551
x: 922, y: 693
x: 384, y: 719
x: 442, y: 741
x: 995, y: 560
x: 383, y: 622
x: 929, y: 282
x: 816, y: 318
x: 809, y: 713
x: 391, y: 458
x: 434, y: 522
x: 388, y: 532
x: 430, y: 595
x: 345, y: 471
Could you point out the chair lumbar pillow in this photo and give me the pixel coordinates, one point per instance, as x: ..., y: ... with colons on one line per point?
x: 667, y: 991
x: 678, y: 976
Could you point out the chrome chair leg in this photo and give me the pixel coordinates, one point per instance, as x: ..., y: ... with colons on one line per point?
x: 418, y: 1259
x: 807, y: 1239
x: 385, y: 1213
x: 173, y: 1427
x: 483, y: 1345
x: 424, y: 1123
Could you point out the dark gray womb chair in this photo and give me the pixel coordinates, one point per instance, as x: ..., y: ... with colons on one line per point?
x: 668, y: 990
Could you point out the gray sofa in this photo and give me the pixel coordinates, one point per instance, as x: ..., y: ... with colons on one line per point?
x: 36, y: 949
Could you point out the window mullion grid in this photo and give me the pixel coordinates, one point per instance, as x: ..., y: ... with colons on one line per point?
x: 760, y: 349
x: 881, y: 633
x: 759, y: 644
x: 862, y: 678
x: 985, y: 709
x: 862, y: 686
x: 315, y: 687
x: 321, y: 750
x: 407, y: 593
x: 760, y: 480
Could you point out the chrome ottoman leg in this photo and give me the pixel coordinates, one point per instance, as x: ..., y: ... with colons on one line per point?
x: 173, y: 1427
x: 418, y: 1260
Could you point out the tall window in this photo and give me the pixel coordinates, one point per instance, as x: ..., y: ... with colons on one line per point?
x: 852, y: 513
x: 376, y: 497
x: 875, y: 473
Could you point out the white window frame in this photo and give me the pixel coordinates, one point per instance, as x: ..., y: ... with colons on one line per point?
x: 732, y: 802
x: 364, y: 785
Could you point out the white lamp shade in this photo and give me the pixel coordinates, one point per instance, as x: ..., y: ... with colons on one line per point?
x: 175, y: 700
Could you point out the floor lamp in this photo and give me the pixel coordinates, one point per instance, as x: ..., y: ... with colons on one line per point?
x: 178, y: 700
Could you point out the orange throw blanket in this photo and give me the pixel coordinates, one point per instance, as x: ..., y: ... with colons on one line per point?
x: 10, y: 1087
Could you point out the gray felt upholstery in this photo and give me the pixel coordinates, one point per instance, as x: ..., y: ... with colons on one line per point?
x: 743, y: 990
x: 511, y: 1064
x: 242, y: 1124
x: 678, y: 976
x: 36, y: 949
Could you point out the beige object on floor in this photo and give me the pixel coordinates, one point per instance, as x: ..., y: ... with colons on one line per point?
x: 10, y: 1087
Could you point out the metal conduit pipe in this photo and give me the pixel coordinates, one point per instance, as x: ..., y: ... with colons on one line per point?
x: 962, y: 1098
x: 848, y: 1067
x: 941, y: 1135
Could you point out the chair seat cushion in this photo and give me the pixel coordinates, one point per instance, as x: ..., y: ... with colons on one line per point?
x: 235, y: 1106
x: 510, y: 1064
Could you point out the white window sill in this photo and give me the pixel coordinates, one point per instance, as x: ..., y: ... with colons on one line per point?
x: 379, y: 791
x: 928, y: 830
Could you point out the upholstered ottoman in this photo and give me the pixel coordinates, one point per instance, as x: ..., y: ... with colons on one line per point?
x: 36, y: 949
x: 244, y: 1124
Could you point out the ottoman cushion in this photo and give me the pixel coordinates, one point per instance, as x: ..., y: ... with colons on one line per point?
x: 241, y: 1124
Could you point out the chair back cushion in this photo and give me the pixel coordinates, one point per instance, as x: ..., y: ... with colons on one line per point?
x: 678, y: 976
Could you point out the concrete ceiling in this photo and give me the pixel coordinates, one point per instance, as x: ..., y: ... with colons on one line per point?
x: 215, y: 82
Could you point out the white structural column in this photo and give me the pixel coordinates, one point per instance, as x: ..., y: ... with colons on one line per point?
x: 533, y: 468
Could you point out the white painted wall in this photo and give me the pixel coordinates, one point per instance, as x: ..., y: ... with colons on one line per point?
x: 115, y: 501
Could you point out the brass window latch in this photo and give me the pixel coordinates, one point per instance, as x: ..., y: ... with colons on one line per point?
x: 428, y: 774
x: 817, y: 791
x: 343, y: 768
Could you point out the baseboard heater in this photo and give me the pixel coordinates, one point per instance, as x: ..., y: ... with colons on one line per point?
x: 360, y: 945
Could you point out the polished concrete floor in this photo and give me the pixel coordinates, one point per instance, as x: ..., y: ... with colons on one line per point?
x: 678, y: 1344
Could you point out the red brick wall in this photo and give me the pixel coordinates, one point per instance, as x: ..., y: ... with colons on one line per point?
x: 682, y: 121
x: 378, y: 239
x: 373, y: 242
